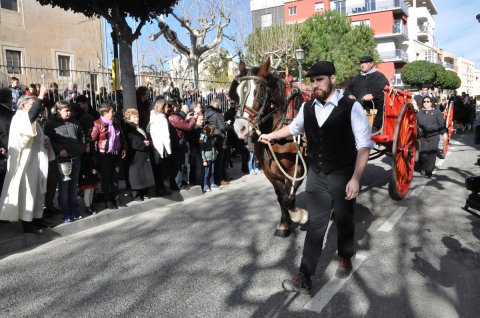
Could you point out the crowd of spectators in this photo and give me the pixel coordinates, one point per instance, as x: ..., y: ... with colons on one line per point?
x: 70, y: 143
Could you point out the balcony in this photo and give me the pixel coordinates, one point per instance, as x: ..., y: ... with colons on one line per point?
x: 423, y: 33
x: 399, y: 28
x: 394, y: 56
x: 359, y: 7
x: 447, y: 65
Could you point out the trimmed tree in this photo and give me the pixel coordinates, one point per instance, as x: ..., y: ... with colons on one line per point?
x: 116, y: 13
x: 418, y: 73
x: 452, y: 81
x: 330, y: 36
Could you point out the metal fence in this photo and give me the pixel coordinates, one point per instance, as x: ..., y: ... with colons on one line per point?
x: 95, y: 82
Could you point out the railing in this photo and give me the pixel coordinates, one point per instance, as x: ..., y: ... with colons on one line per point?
x: 395, y: 55
x: 369, y: 5
x: 399, y: 28
x: 90, y: 82
x: 450, y: 66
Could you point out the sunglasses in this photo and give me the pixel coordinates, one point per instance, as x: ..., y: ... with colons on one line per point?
x: 427, y: 101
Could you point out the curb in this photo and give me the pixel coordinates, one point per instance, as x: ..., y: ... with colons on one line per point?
x: 27, y: 240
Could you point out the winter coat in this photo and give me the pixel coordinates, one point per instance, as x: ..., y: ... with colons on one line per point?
x: 208, y: 149
x: 66, y: 135
x: 137, y: 161
x: 99, y: 135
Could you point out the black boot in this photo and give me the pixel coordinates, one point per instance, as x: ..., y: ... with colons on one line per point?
x: 30, y: 227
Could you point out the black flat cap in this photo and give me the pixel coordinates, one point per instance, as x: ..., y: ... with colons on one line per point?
x: 321, y: 68
x: 366, y: 59
x: 5, y: 95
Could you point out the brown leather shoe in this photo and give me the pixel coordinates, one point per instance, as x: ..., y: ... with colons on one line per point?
x: 224, y: 183
x: 344, y: 268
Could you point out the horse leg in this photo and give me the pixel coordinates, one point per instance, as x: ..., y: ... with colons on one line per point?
x: 297, y: 215
x: 283, y: 228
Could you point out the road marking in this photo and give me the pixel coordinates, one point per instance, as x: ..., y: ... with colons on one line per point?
x: 417, y: 191
x: 333, y: 286
x: 392, y: 220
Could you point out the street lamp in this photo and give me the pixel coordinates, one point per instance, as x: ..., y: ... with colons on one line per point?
x: 299, y: 56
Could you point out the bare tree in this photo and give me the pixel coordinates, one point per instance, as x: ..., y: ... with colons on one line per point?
x: 279, y: 42
x: 197, y: 29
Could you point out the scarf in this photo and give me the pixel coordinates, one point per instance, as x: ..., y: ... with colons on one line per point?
x: 372, y: 70
x: 113, y: 136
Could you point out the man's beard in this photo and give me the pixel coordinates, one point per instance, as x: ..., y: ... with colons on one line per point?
x: 322, y: 95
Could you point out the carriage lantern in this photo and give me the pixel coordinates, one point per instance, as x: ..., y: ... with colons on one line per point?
x: 300, y: 56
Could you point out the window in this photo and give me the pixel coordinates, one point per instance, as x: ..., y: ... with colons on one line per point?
x: 63, y: 65
x: 292, y: 11
x: 361, y: 22
x: 9, y: 5
x: 319, y: 6
x: 266, y: 21
x: 14, y: 61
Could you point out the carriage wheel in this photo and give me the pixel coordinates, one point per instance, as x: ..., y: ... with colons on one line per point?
x: 404, y: 149
x: 449, y: 123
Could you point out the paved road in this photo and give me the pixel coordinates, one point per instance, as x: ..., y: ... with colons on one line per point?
x: 215, y: 256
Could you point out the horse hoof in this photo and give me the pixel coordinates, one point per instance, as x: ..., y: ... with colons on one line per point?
x: 282, y: 233
x: 298, y: 215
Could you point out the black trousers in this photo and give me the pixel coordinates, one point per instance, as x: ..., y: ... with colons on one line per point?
x: 428, y: 152
x: 109, y: 169
x: 325, y: 192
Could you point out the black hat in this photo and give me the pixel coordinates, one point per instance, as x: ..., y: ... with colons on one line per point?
x: 366, y: 59
x: 321, y: 68
x: 5, y: 95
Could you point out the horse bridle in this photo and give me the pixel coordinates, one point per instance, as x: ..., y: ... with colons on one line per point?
x: 261, y: 96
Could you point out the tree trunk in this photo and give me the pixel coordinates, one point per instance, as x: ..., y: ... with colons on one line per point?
x: 127, y: 75
x: 194, y: 66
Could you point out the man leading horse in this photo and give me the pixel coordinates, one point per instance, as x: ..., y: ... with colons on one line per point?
x: 339, y: 142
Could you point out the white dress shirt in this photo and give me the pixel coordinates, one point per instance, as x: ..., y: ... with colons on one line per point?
x: 360, y: 125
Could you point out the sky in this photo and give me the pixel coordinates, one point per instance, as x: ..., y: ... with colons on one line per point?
x: 457, y: 31
x: 456, y: 28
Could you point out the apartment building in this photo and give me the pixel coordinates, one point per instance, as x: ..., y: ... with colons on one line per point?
x: 404, y: 29
x: 43, y: 44
x: 266, y: 13
x: 466, y: 72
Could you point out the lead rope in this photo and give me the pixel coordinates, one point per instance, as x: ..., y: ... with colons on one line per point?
x: 294, y: 178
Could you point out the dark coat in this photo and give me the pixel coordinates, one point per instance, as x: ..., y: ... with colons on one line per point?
x: 66, y: 135
x: 214, y: 117
x: 137, y: 161
x: 6, y: 116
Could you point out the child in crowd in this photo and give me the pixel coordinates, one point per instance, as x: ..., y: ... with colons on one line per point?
x: 68, y: 142
x: 209, y: 155
x: 88, y: 180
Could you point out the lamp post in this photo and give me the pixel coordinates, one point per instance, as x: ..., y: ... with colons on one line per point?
x: 299, y: 56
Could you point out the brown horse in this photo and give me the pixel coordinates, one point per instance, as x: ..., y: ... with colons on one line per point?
x: 262, y: 107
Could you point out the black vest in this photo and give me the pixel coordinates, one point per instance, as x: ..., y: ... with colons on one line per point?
x: 331, y: 148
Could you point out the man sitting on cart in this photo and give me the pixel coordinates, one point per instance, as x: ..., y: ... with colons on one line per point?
x: 367, y: 88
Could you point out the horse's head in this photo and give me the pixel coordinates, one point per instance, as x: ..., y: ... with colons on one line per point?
x: 256, y: 95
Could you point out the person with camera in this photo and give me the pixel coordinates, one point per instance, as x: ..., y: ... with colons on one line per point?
x: 182, y: 124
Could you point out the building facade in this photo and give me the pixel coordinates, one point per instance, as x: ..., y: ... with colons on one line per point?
x: 404, y: 29
x: 45, y: 44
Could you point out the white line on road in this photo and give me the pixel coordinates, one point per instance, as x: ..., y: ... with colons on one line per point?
x: 392, y: 220
x: 333, y: 286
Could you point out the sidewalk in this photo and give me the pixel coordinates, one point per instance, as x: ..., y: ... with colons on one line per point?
x: 12, y: 238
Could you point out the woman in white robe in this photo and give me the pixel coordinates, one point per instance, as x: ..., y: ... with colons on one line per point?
x: 27, y: 166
